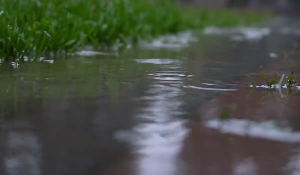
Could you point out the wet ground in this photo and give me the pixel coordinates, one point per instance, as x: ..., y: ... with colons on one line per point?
x: 181, y: 108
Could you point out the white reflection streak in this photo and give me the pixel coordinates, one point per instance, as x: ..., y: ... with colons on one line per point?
x: 209, y: 89
x: 159, y: 139
x: 293, y: 166
x: 24, y: 154
x: 266, y: 130
x: 246, y: 167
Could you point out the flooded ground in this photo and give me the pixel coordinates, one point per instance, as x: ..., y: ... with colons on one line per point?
x: 181, y: 108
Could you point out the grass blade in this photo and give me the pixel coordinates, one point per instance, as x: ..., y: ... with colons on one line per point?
x: 273, y: 80
x: 265, y: 78
x: 253, y: 83
x: 281, y: 80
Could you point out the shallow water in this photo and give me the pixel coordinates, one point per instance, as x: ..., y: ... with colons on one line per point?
x: 155, y: 109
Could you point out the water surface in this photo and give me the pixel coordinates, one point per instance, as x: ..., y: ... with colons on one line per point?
x: 155, y: 109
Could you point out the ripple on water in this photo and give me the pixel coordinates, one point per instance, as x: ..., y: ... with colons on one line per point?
x: 209, y: 89
x: 158, y: 61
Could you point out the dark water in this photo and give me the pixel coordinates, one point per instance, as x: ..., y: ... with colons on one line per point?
x: 156, y: 111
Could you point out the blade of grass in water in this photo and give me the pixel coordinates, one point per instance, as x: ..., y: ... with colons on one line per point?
x: 290, y: 79
x: 281, y: 80
x: 273, y: 80
x: 253, y: 83
x: 265, y: 78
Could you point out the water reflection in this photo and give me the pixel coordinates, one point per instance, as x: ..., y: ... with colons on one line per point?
x: 245, y: 167
x: 267, y: 129
x: 60, y: 119
x: 160, y: 135
x: 153, y: 111
x: 23, y: 153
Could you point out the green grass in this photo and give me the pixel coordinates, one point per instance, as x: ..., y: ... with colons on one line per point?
x: 198, y: 19
x: 290, y: 80
x: 270, y: 83
x: 35, y: 27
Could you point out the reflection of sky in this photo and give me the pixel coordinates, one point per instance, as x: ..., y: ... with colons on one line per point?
x: 23, y: 154
x: 160, y: 137
x: 159, y: 140
x: 157, y: 61
x: 245, y: 167
x: 293, y: 166
x: 266, y: 130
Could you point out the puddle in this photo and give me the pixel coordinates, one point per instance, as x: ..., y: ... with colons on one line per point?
x: 290, y: 31
x: 25, y: 154
x: 159, y: 139
x: 181, y: 105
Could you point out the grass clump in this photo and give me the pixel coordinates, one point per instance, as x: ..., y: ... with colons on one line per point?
x: 272, y: 83
x: 33, y: 27
x: 290, y: 80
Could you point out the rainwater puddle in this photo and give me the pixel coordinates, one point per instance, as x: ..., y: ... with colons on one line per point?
x: 182, y: 105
